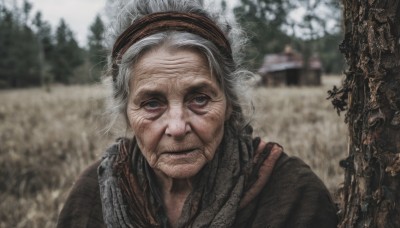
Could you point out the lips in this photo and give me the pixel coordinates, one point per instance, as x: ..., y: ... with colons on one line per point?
x: 181, y: 153
x: 177, y: 152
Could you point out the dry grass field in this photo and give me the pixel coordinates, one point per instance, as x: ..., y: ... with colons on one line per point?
x: 47, y: 139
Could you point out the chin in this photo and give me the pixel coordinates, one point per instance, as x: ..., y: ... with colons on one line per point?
x: 181, y: 171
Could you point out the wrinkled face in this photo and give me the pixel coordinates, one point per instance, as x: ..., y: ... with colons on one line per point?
x: 176, y: 110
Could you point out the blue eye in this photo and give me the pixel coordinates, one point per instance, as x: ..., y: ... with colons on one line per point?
x: 151, y: 105
x: 201, y: 100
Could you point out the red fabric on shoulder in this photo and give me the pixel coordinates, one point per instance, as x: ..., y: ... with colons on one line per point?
x: 264, y: 172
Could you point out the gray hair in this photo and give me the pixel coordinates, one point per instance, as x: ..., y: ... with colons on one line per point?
x: 227, y: 72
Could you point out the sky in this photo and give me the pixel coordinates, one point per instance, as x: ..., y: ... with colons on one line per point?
x: 78, y: 14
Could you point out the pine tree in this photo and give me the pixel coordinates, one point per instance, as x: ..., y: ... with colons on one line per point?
x: 7, y: 28
x: 67, y: 54
x: 18, y: 49
x: 27, y: 49
x: 46, y: 47
x: 97, y: 50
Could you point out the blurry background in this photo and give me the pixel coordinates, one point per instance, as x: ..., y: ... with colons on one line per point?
x: 53, y: 52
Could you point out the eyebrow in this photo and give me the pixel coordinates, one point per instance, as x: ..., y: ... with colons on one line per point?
x: 147, y: 93
x: 155, y: 92
x: 202, y: 86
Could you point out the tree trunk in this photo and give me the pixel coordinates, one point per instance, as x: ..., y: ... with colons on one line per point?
x: 370, y: 196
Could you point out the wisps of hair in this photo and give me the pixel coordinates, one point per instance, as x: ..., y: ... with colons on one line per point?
x: 230, y: 75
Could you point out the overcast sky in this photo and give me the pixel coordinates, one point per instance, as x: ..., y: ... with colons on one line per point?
x: 78, y: 14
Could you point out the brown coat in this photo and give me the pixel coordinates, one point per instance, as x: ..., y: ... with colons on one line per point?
x: 293, y: 197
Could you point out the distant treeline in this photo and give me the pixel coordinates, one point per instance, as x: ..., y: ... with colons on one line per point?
x: 33, y: 54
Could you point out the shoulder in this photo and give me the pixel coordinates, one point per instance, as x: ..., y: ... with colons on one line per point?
x: 293, y: 175
x: 296, y: 197
x: 83, y: 206
x: 296, y: 170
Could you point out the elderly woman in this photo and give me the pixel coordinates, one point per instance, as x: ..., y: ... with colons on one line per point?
x: 192, y: 161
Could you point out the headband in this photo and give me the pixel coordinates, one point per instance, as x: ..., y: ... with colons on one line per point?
x: 166, y: 21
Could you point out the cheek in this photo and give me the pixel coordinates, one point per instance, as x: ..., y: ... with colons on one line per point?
x: 146, y: 133
x: 214, y: 142
x: 136, y: 120
x: 210, y: 129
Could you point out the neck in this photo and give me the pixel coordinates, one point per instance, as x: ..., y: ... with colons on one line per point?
x: 173, y: 186
x: 174, y: 193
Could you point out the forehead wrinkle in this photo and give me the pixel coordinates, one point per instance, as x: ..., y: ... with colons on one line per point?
x: 171, y: 61
x: 171, y: 66
x: 144, y: 74
x: 162, y: 69
x: 185, y: 85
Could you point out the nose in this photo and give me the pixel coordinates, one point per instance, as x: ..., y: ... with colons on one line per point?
x: 177, y: 124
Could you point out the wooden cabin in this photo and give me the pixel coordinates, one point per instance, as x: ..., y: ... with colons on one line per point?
x: 287, y: 69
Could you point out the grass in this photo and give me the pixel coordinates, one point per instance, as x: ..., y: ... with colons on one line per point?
x: 47, y: 139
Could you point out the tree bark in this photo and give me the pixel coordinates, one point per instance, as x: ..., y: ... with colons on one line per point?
x: 370, y: 196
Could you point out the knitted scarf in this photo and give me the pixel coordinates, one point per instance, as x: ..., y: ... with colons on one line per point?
x: 130, y: 195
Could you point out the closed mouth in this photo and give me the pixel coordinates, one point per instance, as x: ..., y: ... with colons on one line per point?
x: 180, y: 152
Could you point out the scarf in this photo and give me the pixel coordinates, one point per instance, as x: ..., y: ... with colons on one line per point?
x: 238, y: 172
